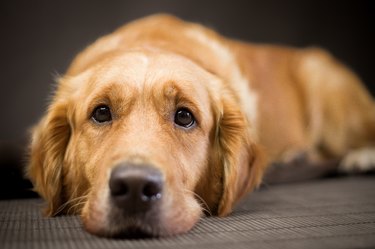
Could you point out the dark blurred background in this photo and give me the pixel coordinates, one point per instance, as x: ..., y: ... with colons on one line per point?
x: 39, y: 39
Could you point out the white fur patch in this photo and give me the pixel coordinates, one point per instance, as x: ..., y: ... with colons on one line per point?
x: 360, y: 160
x: 248, y: 97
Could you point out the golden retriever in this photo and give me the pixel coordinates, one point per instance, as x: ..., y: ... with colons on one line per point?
x: 163, y: 120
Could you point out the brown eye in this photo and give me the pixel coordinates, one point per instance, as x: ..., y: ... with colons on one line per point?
x: 184, y: 118
x: 102, y: 114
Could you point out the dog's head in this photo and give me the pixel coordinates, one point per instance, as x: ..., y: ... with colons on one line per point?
x: 143, y: 141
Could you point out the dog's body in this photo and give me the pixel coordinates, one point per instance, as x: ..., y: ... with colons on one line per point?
x: 182, y: 120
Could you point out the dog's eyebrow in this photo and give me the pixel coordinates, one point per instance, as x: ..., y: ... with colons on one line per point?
x: 181, y: 97
x: 116, y: 95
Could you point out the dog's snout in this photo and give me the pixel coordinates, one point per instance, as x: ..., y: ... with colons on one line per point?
x: 135, y: 188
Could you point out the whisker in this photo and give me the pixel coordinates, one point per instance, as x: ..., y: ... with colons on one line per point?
x: 203, y: 203
x: 64, y: 205
x: 83, y: 201
x: 69, y: 202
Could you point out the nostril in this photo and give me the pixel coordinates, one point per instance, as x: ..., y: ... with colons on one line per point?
x: 118, y: 187
x: 151, y: 191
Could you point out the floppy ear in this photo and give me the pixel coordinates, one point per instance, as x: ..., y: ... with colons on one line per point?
x: 242, y: 161
x: 49, y: 141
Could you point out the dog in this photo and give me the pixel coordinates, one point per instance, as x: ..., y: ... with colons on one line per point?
x: 164, y: 121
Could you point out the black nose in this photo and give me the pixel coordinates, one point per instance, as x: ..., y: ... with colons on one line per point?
x: 135, y: 188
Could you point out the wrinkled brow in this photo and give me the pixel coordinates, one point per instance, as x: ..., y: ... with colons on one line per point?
x: 178, y: 96
x: 116, y: 95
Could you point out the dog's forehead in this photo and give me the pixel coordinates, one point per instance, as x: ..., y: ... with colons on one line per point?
x: 140, y: 69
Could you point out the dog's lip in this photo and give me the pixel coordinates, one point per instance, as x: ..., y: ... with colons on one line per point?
x: 135, y: 226
x: 134, y: 232
x: 130, y: 231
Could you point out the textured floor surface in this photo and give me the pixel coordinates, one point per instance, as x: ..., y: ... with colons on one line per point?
x: 329, y: 213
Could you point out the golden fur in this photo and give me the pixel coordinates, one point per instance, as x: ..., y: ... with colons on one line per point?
x: 250, y: 102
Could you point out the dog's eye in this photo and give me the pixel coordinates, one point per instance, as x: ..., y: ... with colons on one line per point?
x: 184, y: 118
x: 102, y: 114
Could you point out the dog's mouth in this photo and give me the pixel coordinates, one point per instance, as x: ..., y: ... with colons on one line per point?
x: 121, y: 229
x: 134, y: 232
x: 116, y: 223
x: 124, y: 225
x: 141, y: 229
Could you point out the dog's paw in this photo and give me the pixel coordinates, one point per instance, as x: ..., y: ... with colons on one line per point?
x: 358, y: 161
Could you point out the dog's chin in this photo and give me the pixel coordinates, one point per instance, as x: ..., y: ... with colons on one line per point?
x: 135, y: 232
x: 135, y: 228
x: 123, y: 231
x: 131, y: 232
x: 119, y: 227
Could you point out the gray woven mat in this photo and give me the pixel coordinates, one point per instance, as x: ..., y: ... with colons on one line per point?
x: 330, y: 213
